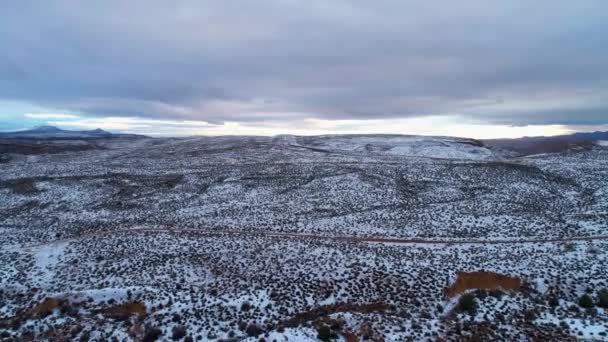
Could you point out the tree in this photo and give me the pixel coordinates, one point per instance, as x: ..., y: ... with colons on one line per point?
x: 323, y: 333
x: 585, y: 301
x: 468, y: 303
x: 602, y: 296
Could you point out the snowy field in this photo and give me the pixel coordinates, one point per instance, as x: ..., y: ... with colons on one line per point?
x: 303, y: 238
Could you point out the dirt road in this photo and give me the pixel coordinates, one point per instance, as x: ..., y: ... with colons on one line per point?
x: 371, y: 239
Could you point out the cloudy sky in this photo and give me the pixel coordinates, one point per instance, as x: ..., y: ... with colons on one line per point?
x: 466, y: 68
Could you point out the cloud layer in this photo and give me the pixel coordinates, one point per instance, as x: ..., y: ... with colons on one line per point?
x: 279, y: 62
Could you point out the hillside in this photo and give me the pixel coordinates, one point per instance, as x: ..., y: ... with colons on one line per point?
x: 292, y: 238
x: 553, y: 144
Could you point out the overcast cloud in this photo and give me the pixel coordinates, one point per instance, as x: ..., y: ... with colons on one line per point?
x: 518, y: 63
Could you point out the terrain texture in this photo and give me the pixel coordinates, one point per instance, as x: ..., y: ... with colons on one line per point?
x: 353, y: 238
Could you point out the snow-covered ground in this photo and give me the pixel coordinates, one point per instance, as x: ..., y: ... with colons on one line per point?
x: 412, y: 146
x: 161, y: 223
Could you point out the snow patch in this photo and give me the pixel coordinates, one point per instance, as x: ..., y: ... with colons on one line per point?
x: 46, y: 259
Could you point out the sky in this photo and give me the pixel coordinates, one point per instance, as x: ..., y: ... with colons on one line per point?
x: 263, y: 67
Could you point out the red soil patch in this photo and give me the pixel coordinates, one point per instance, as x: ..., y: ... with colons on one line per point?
x: 125, y: 310
x: 482, y: 280
x: 45, y: 307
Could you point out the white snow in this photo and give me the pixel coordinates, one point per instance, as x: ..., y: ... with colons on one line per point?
x: 292, y: 334
x: 412, y: 146
x: 46, y: 258
x: 586, y: 328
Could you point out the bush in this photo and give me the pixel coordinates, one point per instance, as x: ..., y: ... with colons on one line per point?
x: 179, y: 331
x: 242, y: 325
x: 530, y: 315
x: 553, y: 301
x: 323, y: 333
x: 152, y: 334
x: 496, y: 294
x: 468, y: 303
x: 602, y: 298
x: 585, y: 301
x: 253, y: 330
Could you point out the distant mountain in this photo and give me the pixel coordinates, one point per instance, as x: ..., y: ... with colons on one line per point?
x: 52, y: 132
x: 560, y: 143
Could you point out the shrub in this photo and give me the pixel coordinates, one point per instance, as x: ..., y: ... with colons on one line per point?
x: 85, y: 336
x: 242, y: 325
x: 152, y: 334
x: 253, y: 330
x: 530, y: 315
x: 179, y: 331
x: 602, y: 298
x: 496, y: 294
x: 323, y: 333
x: 553, y: 301
x: 468, y: 303
x: 585, y: 301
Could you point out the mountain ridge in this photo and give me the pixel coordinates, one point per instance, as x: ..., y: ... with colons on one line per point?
x: 549, y: 144
x: 47, y: 132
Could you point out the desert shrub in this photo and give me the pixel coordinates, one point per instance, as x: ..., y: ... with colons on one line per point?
x: 253, y: 330
x: 468, y: 303
x: 242, y: 325
x: 85, y: 336
x: 553, y: 301
x: 602, y: 298
x: 178, y: 332
x: 585, y: 301
x: 530, y: 315
x: 152, y: 334
x: 323, y: 333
